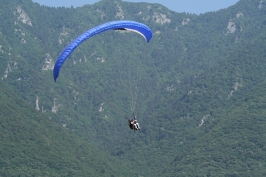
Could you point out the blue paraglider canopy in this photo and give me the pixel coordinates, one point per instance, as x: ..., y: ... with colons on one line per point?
x: 140, y: 28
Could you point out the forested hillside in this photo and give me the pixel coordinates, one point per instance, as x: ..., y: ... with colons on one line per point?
x: 233, y: 146
x: 196, y: 87
x: 32, y: 145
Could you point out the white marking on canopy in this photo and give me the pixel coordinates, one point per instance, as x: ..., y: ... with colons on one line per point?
x: 127, y: 29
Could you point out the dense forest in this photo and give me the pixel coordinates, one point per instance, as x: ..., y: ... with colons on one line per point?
x: 197, y: 89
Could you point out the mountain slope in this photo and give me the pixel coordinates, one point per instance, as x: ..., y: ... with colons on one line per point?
x: 233, y: 146
x: 31, y: 145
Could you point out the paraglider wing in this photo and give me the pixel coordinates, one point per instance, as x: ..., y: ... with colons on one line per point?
x: 114, y: 25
